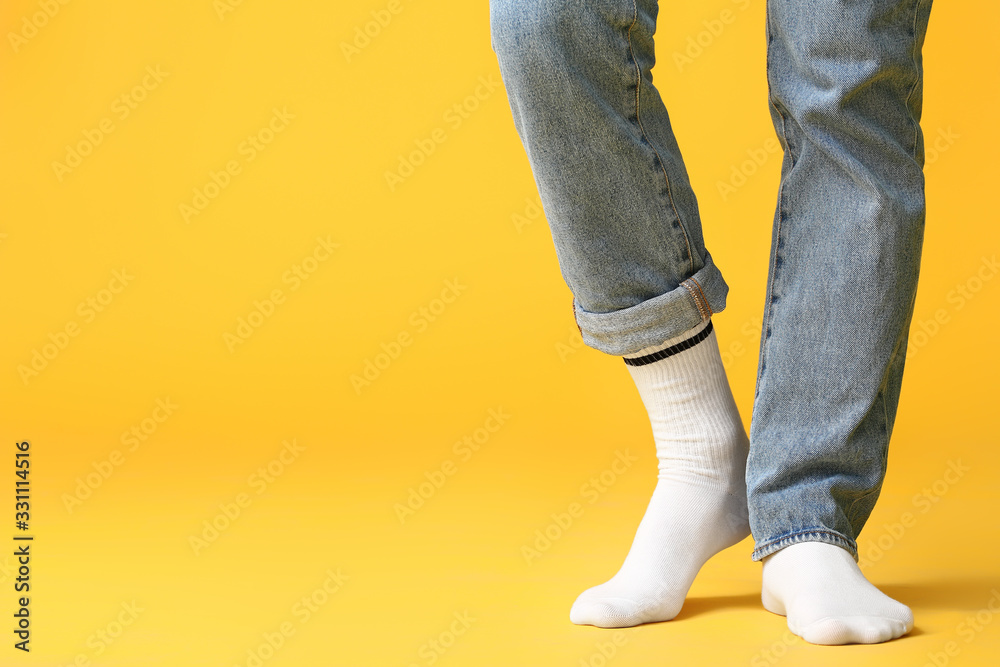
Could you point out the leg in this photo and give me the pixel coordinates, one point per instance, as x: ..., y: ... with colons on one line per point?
x: 845, y: 86
x: 628, y: 239
x: 609, y: 173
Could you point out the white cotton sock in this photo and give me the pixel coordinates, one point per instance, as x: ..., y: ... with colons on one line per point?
x: 827, y: 599
x: 698, y: 507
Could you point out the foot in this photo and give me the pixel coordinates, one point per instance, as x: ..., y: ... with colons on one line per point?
x: 827, y: 599
x: 698, y: 507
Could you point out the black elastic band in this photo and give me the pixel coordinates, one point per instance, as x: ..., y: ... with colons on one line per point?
x: 673, y: 349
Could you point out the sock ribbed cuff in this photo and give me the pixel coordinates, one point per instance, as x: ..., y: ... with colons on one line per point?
x: 670, y: 347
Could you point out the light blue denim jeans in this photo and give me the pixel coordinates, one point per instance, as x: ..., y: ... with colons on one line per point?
x: 845, y: 81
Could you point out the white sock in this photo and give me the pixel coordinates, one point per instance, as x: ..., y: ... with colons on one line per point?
x: 827, y: 599
x: 698, y: 507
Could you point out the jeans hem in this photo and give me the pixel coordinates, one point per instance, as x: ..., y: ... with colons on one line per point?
x: 811, y: 535
x: 655, y: 320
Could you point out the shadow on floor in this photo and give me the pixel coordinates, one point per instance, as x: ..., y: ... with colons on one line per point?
x: 958, y: 594
x: 693, y: 606
x: 969, y: 595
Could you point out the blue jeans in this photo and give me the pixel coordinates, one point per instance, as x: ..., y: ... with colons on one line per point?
x: 845, y: 98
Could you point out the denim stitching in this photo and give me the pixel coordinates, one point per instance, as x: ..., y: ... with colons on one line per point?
x: 638, y: 85
x: 694, y: 297
x: 916, y: 68
x: 850, y: 510
x: 796, y: 538
x: 885, y: 450
x: 885, y: 416
x: 708, y: 306
x: 850, y: 513
x: 777, y: 230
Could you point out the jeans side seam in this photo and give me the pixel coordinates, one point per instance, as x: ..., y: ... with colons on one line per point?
x: 885, y: 416
x: 694, y: 297
x: 708, y: 305
x: 916, y: 81
x: 777, y: 226
x: 666, y: 179
x: 876, y: 491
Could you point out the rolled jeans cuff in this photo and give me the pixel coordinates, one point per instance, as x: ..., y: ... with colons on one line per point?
x: 655, y: 320
x: 825, y: 535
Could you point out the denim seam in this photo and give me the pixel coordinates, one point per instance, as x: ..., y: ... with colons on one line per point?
x: 892, y: 359
x: 895, y: 353
x: 666, y: 180
x: 777, y: 230
x: 850, y: 510
x: 789, y: 539
x: 888, y: 434
x: 708, y: 306
x: 885, y: 416
x: 694, y: 297
x: 916, y: 81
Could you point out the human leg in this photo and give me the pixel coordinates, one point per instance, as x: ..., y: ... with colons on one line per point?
x: 845, y: 83
x: 627, y: 234
x: 613, y: 185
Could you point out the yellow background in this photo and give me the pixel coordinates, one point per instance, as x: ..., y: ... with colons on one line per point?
x: 504, y: 343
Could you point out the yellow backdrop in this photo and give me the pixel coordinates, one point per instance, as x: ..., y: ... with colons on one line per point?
x: 286, y: 336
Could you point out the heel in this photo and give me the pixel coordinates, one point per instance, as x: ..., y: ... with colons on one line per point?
x: 771, y: 603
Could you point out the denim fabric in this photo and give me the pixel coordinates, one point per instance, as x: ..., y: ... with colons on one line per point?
x: 845, y: 96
